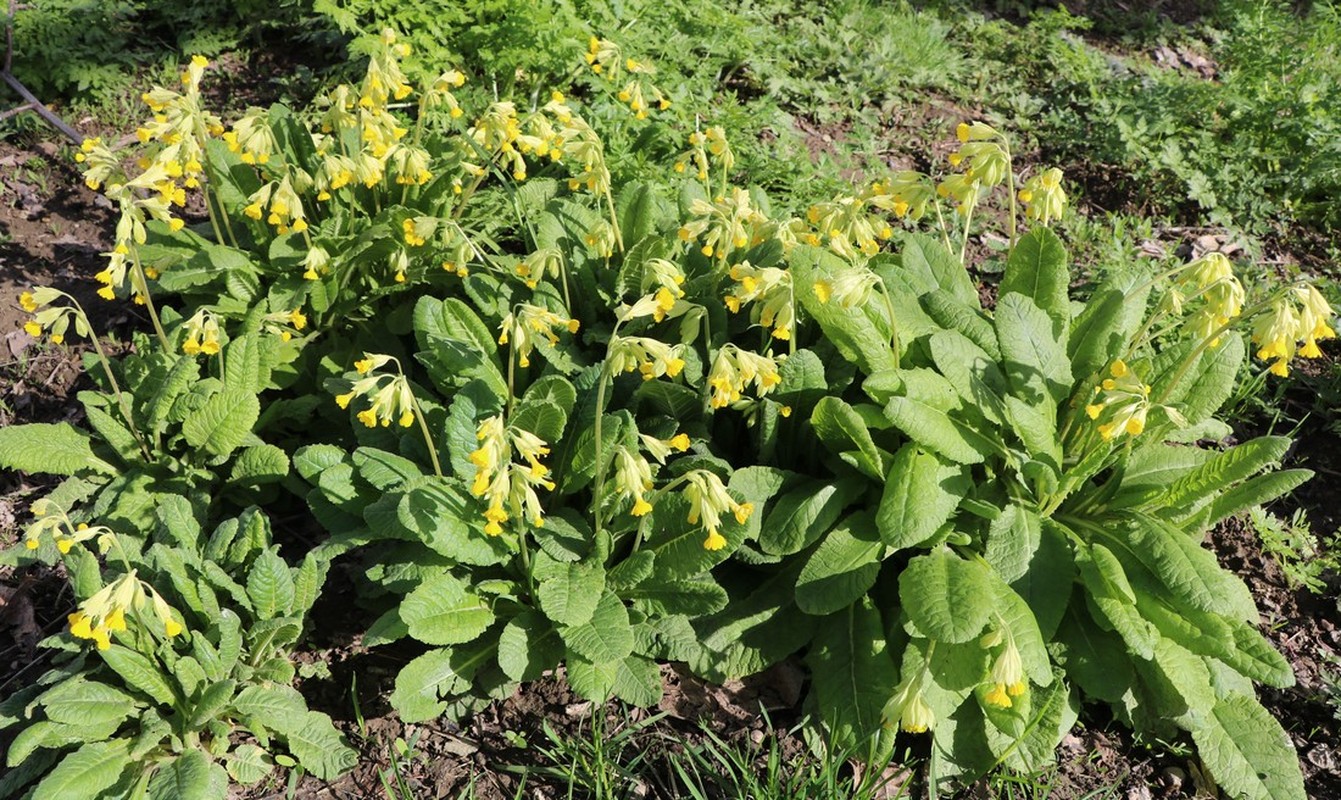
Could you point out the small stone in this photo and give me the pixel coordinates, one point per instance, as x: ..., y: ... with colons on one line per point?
x: 757, y: 737
x: 1139, y: 793
x: 1322, y: 757
x: 1173, y: 777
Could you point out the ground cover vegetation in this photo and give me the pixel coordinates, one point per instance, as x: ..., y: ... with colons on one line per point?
x: 585, y: 363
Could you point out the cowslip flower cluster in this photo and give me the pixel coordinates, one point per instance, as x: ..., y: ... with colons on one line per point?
x: 769, y: 291
x: 202, y: 334
x: 1006, y: 679
x: 985, y: 164
x: 708, y: 502
x: 633, y: 479
x: 51, y: 519
x: 651, y: 357
x: 733, y: 370
x: 105, y: 612
x: 849, y: 288
x: 525, y: 323
x: 725, y: 225
x: 1209, y: 279
x: 279, y: 203
x: 1292, y: 326
x: 638, y: 92
x: 706, y: 147
x: 390, y: 395
x: 849, y: 226
x: 1043, y: 197
x: 908, y: 709
x: 1122, y: 401
x: 53, y: 320
x: 510, y: 488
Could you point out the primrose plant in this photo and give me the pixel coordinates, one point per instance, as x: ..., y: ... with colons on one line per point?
x: 561, y: 423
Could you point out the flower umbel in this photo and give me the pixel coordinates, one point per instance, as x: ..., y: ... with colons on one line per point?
x: 708, y: 501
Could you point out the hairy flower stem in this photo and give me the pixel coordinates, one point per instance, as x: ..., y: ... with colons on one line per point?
x: 111, y: 379
x: 149, y: 302
x: 428, y: 437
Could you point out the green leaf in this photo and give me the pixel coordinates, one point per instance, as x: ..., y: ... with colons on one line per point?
x: 441, y: 611
x: 1111, y: 599
x: 936, y: 430
x: 1208, y: 479
x: 270, y: 584
x: 841, y: 429
x: 139, y: 673
x: 528, y: 646
x: 113, y: 431
x: 544, y: 418
x: 1096, y: 338
x: 802, y: 515
x: 422, y: 681
x: 1047, y: 584
x: 1033, y: 355
x: 1024, y: 628
x: 922, y: 490
x: 260, y: 464
x: 951, y: 314
x: 1012, y: 540
x: 946, y: 597
x: 439, y: 512
x: 186, y: 777
x: 80, y: 702
x: 247, y: 368
x: 1037, y: 269
x: 1255, y: 492
x: 1213, y: 379
x: 319, y: 747
x: 213, y: 698
x: 568, y: 592
x: 52, y: 448
x: 223, y: 423
x: 677, y: 544
x: 384, y: 470
x: 853, y: 673
x: 931, y: 267
x: 1097, y: 660
x: 693, y: 598
x: 455, y: 320
x: 88, y: 771
x: 607, y: 636
x: 595, y: 682
x: 842, y: 568
x: 248, y: 764
x: 637, y: 681
x: 1190, y: 571
x: 758, y: 627
x: 1248, y: 753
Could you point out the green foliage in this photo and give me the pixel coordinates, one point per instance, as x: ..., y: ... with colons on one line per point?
x: 1294, y: 547
x: 89, y: 48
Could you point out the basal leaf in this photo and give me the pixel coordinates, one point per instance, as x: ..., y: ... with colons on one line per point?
x: 937, y: 431
x: 1037, y: 269
x: 1248, y: 753
x: 1034, y: 358
x: 54, y: 448
x: 922, y: 490
x: 799, y: 517
x: 88, y: 771
x: 441, y: 611
x: 223, y: 423
x: 854, y: 675
x: 946, y: 597
x: 842, y: 568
